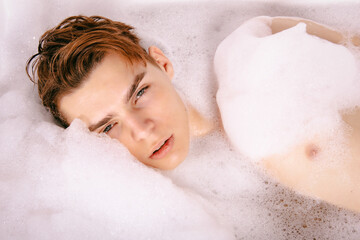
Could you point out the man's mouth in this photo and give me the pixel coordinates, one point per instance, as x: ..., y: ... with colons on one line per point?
x: 163, y: 149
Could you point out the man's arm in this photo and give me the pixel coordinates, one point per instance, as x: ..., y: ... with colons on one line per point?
x: 281, y: 23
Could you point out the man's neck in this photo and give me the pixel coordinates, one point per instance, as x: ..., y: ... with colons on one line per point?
x: 199, y: 125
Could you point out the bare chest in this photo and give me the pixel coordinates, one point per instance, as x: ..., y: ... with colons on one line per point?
x: 323, y: 168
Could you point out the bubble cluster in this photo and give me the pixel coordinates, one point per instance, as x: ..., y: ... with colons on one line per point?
x: 276, y: 90
x: 72, y: 184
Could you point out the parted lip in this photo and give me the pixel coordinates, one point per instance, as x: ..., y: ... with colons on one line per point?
x: 159, y: 145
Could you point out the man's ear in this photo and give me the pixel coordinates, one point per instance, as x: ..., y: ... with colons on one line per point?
x: 163, y: 62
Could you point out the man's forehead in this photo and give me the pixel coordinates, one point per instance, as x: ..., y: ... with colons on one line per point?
x: 83, y: 108
x: 131, y: 65
x: 113, y: 80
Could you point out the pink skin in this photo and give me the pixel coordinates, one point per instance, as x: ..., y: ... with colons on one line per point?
x: 165, y: 148
x: 153, y: 117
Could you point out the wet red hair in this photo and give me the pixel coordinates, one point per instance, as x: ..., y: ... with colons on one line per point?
x: 67, y: 54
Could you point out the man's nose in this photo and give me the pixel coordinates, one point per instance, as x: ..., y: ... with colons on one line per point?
x: 140, y: 127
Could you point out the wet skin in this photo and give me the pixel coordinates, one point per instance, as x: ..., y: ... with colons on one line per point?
x: 311, y: 167
x: 314, y: 170
x: 136, y: 105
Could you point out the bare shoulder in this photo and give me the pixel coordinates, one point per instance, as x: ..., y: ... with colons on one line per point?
x: 323, y: 168
x: 279, y: 24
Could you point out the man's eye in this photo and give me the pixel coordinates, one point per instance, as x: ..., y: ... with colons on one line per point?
x: 140, y: 93
x: 108, y: 128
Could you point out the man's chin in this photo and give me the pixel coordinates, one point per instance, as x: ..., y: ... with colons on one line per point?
x: 169, y: 164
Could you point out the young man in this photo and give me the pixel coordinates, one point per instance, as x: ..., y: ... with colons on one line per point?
x: 94, y: 69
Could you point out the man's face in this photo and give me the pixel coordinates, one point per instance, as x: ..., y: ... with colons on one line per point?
x: 136, y: 105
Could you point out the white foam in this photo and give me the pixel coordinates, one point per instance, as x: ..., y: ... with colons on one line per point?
x: 275, y: 90
x: 70, y: 184
x: 81, y: 179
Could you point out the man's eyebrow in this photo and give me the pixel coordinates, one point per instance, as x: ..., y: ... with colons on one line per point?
x: 131, y: 91
x: 100, y: 123
x: 134, y: 85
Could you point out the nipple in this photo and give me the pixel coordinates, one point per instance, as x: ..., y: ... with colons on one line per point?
x: 311, y: 151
